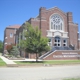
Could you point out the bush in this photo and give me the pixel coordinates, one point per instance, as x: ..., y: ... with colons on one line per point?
x: 14, y: 51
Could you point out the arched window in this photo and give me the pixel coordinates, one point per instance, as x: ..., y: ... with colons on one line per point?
x: 56, y: 22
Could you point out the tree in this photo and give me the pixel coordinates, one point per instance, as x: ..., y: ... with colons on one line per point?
x: 1, y: 46
x: 34, y: 42
x: 14, y: 51
x: 9, y: 47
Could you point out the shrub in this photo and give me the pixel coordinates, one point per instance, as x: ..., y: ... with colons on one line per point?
x: 14, y: 51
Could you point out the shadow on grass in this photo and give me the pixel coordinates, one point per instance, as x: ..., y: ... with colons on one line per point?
x: 31, y: 61
x: 53, y: 62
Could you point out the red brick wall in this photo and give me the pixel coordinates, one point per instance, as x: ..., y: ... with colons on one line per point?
x: 79, y: 44
x: 61, y: 53
x: 73, y: 36
x: 35, y: 22
x: 69, y: 26
x: 43, y: 22
x: 45, y: 18
x: 9, y: 40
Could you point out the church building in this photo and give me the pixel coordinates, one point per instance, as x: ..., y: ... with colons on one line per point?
x: 62, y: 32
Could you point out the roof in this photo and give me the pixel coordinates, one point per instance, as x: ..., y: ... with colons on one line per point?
x: 14, y: 26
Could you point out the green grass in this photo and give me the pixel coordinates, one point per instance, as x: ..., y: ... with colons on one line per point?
x: 63, y: 62
x: 72, y: 79
x: 29, y: 62
x: 51, y: 62
x: 2, y: 63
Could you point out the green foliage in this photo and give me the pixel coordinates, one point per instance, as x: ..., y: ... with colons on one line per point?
x: 1, y: 46
x: 9, y: 47
x: 14, y: 51
x: 34, y: 42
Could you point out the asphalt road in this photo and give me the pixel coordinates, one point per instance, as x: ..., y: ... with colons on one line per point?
x: 39, y: 73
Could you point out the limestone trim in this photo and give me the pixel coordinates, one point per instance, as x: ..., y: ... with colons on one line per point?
x: 50, y: 18
x: 57, y: 33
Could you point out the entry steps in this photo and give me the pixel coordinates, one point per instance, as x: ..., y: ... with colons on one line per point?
x: 53, y: 49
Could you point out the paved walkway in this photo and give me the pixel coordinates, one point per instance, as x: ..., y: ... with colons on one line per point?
x: 7, y: 61
x: 27, y: 60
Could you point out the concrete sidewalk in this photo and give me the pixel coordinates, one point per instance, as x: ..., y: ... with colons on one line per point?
x: 7, y: 61
x: 27, y: 60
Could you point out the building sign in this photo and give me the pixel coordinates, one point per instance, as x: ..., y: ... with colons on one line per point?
x: 67, y: 55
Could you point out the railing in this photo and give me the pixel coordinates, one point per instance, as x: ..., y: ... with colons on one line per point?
x: 41, y: 57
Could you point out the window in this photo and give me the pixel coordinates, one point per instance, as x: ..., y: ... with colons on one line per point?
x: 56, y: 22
x: 5, y: 42
x: 51, y: 25
x: 11, y: 35
x: 58, y: 40
x: 55, y: 44
x: 64, y: 42
x: 50, y: 42
x: 5, y: 37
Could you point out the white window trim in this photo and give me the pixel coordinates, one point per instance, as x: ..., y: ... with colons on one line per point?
x: 11, y: 35
x: 50, y: 23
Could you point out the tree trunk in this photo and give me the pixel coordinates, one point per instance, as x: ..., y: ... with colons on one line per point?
x: 36, y: 58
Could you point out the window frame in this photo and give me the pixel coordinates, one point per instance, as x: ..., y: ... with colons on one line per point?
x: 56, y: 27
x: 57, y: 41
x: 11, y: 35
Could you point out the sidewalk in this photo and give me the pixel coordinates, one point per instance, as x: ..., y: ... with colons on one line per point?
x: 27, y: 60
x: 7, y: 61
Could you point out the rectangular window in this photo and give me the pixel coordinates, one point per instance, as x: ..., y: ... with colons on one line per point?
x: 49, y: 40
x: 11, y: 35
x: 64, y: 42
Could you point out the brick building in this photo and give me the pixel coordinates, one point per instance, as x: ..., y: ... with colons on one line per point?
x: 9, y: 35
x: 62, y: 32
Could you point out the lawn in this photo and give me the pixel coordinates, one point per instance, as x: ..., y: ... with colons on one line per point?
x: 50, y: 62
x: 61, y: 62
x: 2, y: 63
x: 72, y: 79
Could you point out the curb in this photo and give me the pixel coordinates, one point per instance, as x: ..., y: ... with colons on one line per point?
x: 12, y: 65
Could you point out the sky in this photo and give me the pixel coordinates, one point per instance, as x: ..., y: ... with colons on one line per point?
x: 18, y: 11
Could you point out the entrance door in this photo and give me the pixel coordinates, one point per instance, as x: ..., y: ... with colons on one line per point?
x: 57, y: 42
